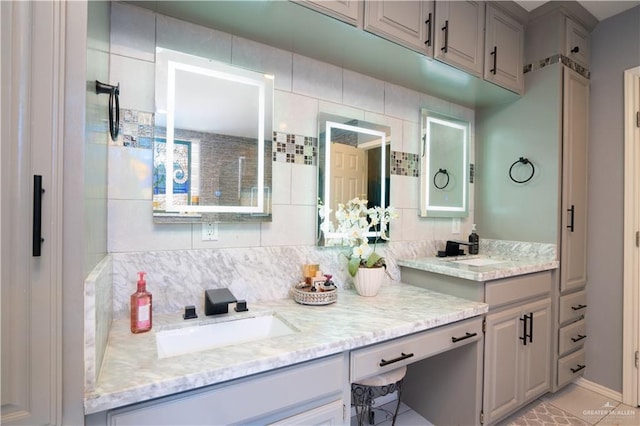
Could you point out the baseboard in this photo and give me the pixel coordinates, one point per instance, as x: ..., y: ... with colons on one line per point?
x: 595, y: 387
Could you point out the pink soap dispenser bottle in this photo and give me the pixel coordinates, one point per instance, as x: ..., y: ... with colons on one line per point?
x: 141, y: 307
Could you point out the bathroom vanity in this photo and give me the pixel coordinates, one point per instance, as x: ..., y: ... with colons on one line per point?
x: 299, y: 378
x: 518, y: 327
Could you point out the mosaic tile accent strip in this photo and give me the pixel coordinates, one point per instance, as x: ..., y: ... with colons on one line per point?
x: 566, y: 61
x: 297, y: 149
x: 136, y: 129
x: 405, y: 164
x: 546, y: 414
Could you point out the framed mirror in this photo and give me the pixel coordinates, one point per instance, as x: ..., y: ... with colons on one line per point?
x: 212, y: 141
x: 444, y: 166
x: 353, y: 161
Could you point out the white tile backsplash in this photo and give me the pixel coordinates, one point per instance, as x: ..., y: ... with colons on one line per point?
x: 193, y: 39
x: 133, y: 31
x: 363, y: 92
x: 137, y: 82
x: 317, y: 79
x: 304, y: 87
x: 263, y: 58
x: 131, y: 228
x: 130, y: 173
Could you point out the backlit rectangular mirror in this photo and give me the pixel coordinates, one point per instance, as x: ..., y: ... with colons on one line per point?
x: 444, y: 166
x: 212, y: 141
x: 353, y: 161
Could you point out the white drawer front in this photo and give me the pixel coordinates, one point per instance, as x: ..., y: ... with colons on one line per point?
x: 570, y: 367
x: 573, y: 306
x: 510, y: 290
x: 572, y: 336
x: 388, y: 356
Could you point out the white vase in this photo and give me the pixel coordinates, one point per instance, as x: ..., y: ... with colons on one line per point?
x: 369, y: 280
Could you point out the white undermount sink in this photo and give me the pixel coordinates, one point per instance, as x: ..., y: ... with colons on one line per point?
x: 209, y: 336
x: 479, y: 261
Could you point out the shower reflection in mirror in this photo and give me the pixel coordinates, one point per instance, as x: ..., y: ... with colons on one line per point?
x: 353, y: 161
x: 444, y: 166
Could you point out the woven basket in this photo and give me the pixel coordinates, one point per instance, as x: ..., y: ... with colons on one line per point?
x: 302, y: 294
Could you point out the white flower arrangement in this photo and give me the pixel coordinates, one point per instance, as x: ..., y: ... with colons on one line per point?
x: 354, y: 221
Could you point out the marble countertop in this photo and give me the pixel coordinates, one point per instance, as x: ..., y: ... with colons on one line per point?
x: 507, y: 267
x: 131, y: 371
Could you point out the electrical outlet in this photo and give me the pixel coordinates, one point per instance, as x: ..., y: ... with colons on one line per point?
x: 209, y: 231
x: 455, y: 225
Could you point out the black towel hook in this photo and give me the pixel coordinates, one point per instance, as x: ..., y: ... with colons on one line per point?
x: 523, y: 161
x: 114, y: 106
x: 444, y: 172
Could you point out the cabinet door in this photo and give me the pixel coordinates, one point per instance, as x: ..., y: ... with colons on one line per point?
x: 326, y: 415
x: 349, y: 11
x: 501, y: 363
x: 409, y: 23
x: 536, y: 354
x: 504, y: 50
x: 573, y: 250
x: 459, y: 34
x: 576, y: 42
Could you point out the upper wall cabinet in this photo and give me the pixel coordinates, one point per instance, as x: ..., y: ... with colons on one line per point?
x: 504, y: 50
x: 576, y: 44
x: 408, y: 23
x: 459, y: 34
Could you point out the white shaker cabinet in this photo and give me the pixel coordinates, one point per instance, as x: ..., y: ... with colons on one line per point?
x: 408, y: 23
x: 517, y: 362
x: 576, y: 42
x: 349, y: 11
x: 504, y: 50
x: 459, y: 35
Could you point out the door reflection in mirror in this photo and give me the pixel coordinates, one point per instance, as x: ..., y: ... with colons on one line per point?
x: 353, y: 161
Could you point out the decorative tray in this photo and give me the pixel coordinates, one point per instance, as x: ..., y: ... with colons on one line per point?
x: 302, y: 294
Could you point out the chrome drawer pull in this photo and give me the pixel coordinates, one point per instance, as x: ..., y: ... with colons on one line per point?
x: 577, y: 308
x: 402, y: 356
x: 580, y: 367
x: 466, y: 336
x: 580, y: 337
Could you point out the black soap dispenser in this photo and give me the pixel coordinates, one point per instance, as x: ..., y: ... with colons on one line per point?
x: 474, y: 241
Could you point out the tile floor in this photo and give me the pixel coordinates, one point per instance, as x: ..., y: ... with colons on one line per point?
x: 573, y: 405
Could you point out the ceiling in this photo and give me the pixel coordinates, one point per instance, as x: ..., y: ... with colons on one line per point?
x: 601, y: 9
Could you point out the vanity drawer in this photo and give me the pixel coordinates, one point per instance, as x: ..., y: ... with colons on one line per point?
x: 570, y: 367
x: 396, y: 353
x: 510, y: 290
x: 573, y: 306
x: 572, y: 336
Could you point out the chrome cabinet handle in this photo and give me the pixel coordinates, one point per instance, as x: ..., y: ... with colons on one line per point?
x: 402, y: 356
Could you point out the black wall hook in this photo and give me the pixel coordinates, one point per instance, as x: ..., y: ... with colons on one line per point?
x: 523, y: 161
x: 114, y: 106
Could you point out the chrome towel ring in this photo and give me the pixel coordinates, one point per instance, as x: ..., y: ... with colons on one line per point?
x: 523, y: 161
x: 444, y: 172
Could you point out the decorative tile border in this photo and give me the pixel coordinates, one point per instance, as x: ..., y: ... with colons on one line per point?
x: 136, y: 129
x: 405, y: 164
x: 297, y: 149
x: 566, y: 61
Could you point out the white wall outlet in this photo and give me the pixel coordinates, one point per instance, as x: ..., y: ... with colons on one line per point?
x: 455, y: 225
x: 209, y: 231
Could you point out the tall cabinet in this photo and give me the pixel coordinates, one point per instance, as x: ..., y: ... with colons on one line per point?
x: 549, y: 127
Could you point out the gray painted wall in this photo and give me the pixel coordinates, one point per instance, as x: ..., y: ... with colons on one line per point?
x: 615, y: 47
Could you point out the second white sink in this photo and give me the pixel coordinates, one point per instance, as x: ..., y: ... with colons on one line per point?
x: 203, y: 337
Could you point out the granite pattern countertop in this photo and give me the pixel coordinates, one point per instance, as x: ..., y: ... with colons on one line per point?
x: 507, y: 267
x: 131, y: 371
